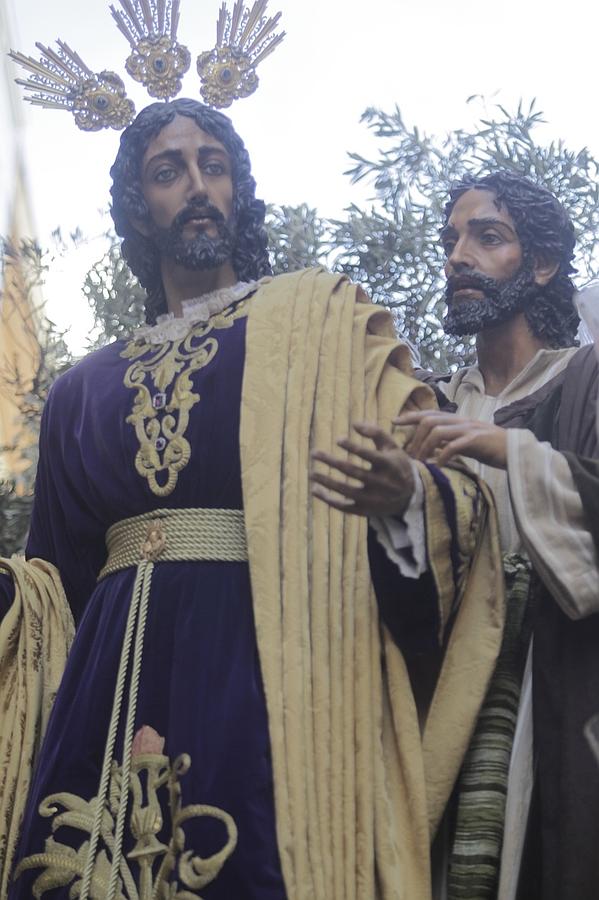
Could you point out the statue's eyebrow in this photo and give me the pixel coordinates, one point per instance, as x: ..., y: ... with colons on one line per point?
x: 491, y: 221
x: 448, y: 231
x: 174, y: 155
x: 209, y: 149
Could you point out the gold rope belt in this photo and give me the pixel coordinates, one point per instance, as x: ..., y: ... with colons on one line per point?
x: 165, y: 535
x: 168, y: 535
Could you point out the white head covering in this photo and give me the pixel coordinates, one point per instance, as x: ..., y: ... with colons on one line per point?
x: 586, y: 301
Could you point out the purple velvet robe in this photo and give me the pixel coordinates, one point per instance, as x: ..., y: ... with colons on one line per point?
x: 200, y: 682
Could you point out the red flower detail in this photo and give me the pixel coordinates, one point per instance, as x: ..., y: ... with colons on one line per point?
x: 147, y: 741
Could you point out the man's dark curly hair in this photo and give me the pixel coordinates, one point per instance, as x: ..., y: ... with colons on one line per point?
x: 250, y: 254
x: 546, y: 233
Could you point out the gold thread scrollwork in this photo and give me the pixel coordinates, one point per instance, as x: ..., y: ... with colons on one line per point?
x: 163, y: 448
x: 180, y: 873
x: 161, y: 423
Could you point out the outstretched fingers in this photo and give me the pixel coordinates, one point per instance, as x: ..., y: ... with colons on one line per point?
x: 378, y: 456
x: 377, y: 481
x: 382, y: 439
x: 333, y: 484
x: 341, y: 465
x: 339, y: 503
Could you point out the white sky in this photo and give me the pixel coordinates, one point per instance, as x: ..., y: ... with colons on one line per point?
x: 339, y: 57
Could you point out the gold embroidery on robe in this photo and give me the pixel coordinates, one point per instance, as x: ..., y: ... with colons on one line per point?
x: 161, y: 416
x: 178, y: 869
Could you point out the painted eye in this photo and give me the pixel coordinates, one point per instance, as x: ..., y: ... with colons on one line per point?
x: 214, y: 168
x: 164, y: 175
x: 490, y: 237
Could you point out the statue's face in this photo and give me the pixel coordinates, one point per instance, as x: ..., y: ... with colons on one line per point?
x: 479, y: 237
x: 187, y: 183
x: 486, y: 280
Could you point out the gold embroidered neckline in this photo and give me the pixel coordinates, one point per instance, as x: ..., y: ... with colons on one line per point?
x: 162, y: 376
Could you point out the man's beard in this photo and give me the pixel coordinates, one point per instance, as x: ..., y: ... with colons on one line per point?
x: 502, y: 300
x: 201, y: 251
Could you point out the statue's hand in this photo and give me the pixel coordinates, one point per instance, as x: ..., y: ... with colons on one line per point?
x: 439, y: 436
x: 381, y: 486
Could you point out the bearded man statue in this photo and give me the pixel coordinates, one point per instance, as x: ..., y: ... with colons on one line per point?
x: 527, y: 807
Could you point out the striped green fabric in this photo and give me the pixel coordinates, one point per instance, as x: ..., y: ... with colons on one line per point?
x: 482, y: 784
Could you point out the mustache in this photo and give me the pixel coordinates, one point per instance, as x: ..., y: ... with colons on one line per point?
x: 196, y: 210
x: 474, y: 281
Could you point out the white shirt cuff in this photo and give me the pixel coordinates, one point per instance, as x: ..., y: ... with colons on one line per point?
x: 404, y: 539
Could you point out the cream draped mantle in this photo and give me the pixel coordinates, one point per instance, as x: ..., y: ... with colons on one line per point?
x: 359, y: 788
x: 35, y: 637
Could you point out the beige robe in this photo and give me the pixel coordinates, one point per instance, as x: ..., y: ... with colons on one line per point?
x: 541, y: 515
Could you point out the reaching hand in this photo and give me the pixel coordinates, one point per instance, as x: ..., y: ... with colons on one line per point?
x: 382, y: 487
x: 440, y: 436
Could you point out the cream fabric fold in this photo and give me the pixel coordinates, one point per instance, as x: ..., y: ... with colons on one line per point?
x: 552, y: 522
x: 353, y: 818
x: 35, y: 637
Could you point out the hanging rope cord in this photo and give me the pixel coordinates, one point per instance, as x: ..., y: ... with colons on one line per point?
x: 165, y: 535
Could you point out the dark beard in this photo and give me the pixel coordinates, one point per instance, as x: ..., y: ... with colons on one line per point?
x: 502, y: 300
x: 201, y: 251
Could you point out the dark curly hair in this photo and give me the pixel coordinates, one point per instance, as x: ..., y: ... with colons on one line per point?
x: 546, y: 233
x: 250, y: 254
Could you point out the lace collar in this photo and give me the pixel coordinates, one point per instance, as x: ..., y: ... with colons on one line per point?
x: 169, y: 327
